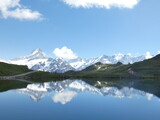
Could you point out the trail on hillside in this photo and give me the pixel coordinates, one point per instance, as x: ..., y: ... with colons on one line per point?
x: 15, y: 76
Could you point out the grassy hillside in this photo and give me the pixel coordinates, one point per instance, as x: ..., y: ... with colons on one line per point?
x: 9, y: 69
x: 145, y: 69
x: 148, y: 68
x: 45, y: 76
x: 102, y: 70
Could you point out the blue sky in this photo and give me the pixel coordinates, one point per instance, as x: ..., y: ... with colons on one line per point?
x: 89, y: 31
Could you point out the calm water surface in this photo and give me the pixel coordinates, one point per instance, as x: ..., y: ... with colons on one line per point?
x: 77, y: 100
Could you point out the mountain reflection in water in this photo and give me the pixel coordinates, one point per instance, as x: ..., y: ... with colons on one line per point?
x: 64, y: 91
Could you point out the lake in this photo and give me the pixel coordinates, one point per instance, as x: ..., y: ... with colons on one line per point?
x: 78, y: 100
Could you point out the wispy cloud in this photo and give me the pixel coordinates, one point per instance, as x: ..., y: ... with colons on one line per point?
x: 64, y: 53
x: 102, y: 3
x: 13, y: 9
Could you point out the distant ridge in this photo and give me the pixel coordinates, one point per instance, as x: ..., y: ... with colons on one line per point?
x: 145, y: 69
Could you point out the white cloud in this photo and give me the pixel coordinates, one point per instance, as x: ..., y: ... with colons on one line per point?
x: 102, y: 3
x: 13, y: 9
x: 158, y: 52
x: 64, y: 97
x: 64, y: 53
x: 148, y: 55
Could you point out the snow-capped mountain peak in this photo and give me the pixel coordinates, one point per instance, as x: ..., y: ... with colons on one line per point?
x: 53, y: 65
x: 148, y: 55
x: 38, y: 53
x: 80, y: 63
x: 38, y: 60
x: 118, y: 56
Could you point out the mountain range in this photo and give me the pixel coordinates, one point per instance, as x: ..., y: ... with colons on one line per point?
x: 39, y: 61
